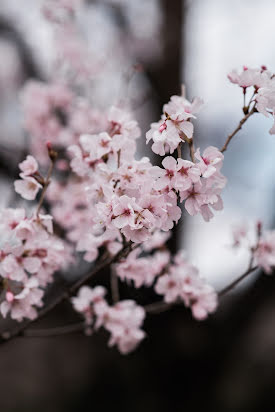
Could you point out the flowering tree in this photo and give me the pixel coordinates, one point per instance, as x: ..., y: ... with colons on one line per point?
x: 98, y: 201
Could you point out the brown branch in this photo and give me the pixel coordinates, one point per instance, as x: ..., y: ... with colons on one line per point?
x: 191, y: 146
x: 238, y: 128
x: 158, y: 307
x: 191, y: 149
x: 179, y: 151
x: 69, y: 291
x: 45, y: 187
x: 56, y: 331
x: 237, y: 281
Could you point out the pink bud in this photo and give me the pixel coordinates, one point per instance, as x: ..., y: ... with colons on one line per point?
x: 263, y: 67
x: 162, y: 127
x: 9, y: 297
x: 245, y: 68
x: 49, y: 145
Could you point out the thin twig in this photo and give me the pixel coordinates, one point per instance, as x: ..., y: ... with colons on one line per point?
x: 46, y: 184
x: 192, y: 149
x: 251, y: 99
x: 158, y: 307
x: 179, y: 151
x: 230, y: 137
x: 69, y: 291
x: 237, y: 281
x: 118, y: 158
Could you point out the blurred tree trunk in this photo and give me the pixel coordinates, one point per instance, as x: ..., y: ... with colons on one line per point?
x: 166, y: 76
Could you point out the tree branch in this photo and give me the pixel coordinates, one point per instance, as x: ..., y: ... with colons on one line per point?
x: 46, y: 184
x: 56, y: 331
x: 244, y: 119
x: 237, y: 281
x: 69, y: 291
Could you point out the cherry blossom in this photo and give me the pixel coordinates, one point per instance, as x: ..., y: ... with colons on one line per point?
x: 174, y: 126
x: 183, y: 283
x: 123, y: 321
x: 87, y: 300
x: 142, y: 270
x: 28, y: 187
x: 29, y: 256
x: 28, y: 166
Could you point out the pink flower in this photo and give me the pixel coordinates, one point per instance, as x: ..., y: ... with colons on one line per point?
x: 168, y: 286
x: 251, y: 77
x: 142, y: 270
x: 166, y: 138
x: 180, y: 109
x: 265, y: 99
x: 123, y: 321
x: 210, y: 161
x: 124, y: 212
x: 206, y: 303
x: 121, y: 123
x: 86, y: 299
x: 22, y: 305
x: 167, y: 176
x: 265, y: 252
x: 27, y: 188
x: 183, y: 283
x: 187, y: 174
x: 194, y: 198
x: 28, y: 166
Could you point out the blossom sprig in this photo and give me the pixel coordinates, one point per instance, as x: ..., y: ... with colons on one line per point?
x: 182, y: 282
x: 29, y: 256
x: 122, y: 320
x: 175, y: 125
x: 260, y: 243
x: 262, y: 83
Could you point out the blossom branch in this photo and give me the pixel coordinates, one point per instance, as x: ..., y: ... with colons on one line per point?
x: 19, y: 331
x: 158, y: 307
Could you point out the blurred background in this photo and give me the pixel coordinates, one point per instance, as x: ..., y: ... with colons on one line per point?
x: 226, y: 363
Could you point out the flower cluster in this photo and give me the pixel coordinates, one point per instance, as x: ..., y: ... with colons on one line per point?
x: 263, y: 83
x: 122, y: 320
x: 142, y: 270
x: 199, y: 184
x: 181, y: 282
x: 175, y: 125
x: 30, y: 182
x: 29, y: 256
x: 121, y: 193
x: 260, y: 243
